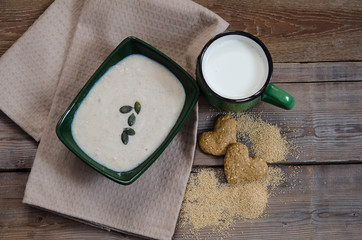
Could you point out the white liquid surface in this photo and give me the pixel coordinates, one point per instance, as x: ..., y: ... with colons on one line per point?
x: 98, y: 123
x: 235, y: 67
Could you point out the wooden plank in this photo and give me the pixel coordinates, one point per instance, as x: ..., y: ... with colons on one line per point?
x: 298, y: 31
x: 16, y: 17
x: 19, y: 221
x: 317, y: 72
x: 324, y: 202
x: 17, y: 148
x: 294, y: 31
x: 325, y: 123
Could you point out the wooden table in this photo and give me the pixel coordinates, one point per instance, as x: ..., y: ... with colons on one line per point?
x: 317, y: 50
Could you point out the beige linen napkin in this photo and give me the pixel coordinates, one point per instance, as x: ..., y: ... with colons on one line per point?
x: 44, y: 70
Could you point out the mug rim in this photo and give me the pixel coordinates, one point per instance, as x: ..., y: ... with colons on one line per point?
x: 256, y: 40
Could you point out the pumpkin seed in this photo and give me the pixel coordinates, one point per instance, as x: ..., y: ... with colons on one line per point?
x: 129, y: 131
x: 125, y: 109
x: 137, y: 107
x: 131, y: 120
x: 124, y: 137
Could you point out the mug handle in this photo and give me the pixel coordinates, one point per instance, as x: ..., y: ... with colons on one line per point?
x: 278, y: 97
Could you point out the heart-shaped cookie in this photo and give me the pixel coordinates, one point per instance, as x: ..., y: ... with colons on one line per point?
x: 238, y: 166
x: 217, y: 141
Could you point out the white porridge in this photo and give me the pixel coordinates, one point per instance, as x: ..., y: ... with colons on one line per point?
x: 99, y: 123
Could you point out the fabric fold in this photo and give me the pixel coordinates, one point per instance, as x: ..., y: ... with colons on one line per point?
x: 54, y: 73
x: 31, y: 68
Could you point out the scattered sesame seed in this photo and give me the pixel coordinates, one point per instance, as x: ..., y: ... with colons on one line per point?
x: 246, y: 200
x: 265, y: 138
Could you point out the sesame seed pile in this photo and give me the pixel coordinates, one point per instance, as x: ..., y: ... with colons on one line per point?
x: 211, y: 202
x: 266, y: 140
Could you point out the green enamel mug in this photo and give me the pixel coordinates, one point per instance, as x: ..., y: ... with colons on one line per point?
x: 234, y: 71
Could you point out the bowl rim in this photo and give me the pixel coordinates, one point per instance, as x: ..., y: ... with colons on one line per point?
x: 69, y: 113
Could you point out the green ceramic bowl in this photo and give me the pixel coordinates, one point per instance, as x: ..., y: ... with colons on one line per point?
x: 129, y: 46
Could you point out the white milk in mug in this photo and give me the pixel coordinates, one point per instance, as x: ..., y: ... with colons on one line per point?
x: 235, y: 67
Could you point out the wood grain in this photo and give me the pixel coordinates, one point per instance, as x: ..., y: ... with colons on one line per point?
x: 326, y: 122
x: 19, y: 221
x: 17, y: 148
x: 315, y: 202
x: 317, y: 72
x: 298, y: 31
x: 16, y: 17
x: 294, y: 31
x: 316, y: 47
x: 319, y: 202
x: 326, y: 117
